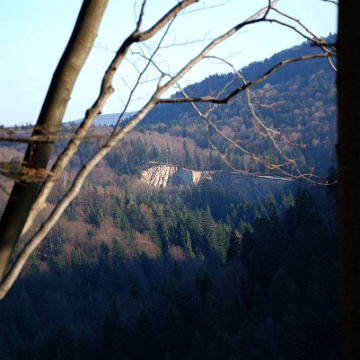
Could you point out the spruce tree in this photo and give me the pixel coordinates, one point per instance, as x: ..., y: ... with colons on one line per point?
x: 233, y: 251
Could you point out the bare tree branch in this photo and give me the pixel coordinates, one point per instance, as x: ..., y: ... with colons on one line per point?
x: 227, y: 98
x: 164, y: 20
x: 114, y: 139
x: 141, y: 15
x: 105, y: 92
x: 49, y: 122
x: 269, y: 134
x: 204, y: 7
x: 332, y: 64
x: 149, y: 62
x: 148, y: 53
x: 33, y: 139
x: 268, y: 9
x: 316, y: 40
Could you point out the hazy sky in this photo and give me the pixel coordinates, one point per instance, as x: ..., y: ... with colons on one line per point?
x: 34, y: 34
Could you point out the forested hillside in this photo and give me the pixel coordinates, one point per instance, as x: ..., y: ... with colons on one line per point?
x: 133, y: 272
x: 298, y: 100
x: 197, y: 275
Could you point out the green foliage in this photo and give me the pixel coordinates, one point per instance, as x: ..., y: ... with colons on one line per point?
x: 71, y: 216
x: 176, y: 272
x: 104, y: 255
x: 97, y: 216
x: 145, y: 342
x: 108, y: 332
x: 118, y: 254
x: 233, y: 251
x: 276, y: 295
x: 58, y: 343
x: 91, y: 233
x: 203, y: 283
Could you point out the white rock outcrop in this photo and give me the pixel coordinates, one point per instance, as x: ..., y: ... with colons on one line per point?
x: 250, y: 187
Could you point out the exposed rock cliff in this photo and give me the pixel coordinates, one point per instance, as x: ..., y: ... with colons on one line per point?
x: 250, y: 187
x: 159, y: 175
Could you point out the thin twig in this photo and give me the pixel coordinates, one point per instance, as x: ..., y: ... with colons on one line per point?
x: 105, y: 91
x: 141, y: 15
x: 113, y: 140
x: 227, y: 98
x: 331, y: 1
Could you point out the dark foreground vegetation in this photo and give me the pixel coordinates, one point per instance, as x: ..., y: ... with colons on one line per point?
x: 198, y: 275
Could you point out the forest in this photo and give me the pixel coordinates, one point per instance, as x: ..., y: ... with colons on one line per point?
x: 133, y: 272
x: 191, y: 286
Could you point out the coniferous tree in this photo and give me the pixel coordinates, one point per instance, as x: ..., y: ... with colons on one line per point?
x: 246, y: 247
x: 176, y: 272
x: 145, y: 342
x: 246, y: 339
x: 104, y: 255
x: 233, y: 251
x: 203, y: 283
x: 117, y: 252
x: 109, y: 329
x: 184, y: 239
x: 85, y: 347
x: 258, y: 305
x: 278, y: 288
x: 197, y: 346
x: 173, y: 332
x: 293, y: 346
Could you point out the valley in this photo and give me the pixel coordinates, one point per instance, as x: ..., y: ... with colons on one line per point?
x: 216, y: 256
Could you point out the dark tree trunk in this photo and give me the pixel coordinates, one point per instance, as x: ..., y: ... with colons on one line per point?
x: 348, y: 83
x: 37, y: 156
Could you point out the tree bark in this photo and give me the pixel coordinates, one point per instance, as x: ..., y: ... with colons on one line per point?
x: 348, y: 84
x: 49, y: 122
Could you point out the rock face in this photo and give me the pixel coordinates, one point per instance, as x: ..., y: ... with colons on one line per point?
x: 158, y: 175
x: 249, y: 187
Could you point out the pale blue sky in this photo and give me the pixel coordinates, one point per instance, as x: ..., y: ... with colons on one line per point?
x: 34, y: 34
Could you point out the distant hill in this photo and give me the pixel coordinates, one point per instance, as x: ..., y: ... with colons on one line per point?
x: 108, y: 119
x: 293, y: 72
x: 298, y: 101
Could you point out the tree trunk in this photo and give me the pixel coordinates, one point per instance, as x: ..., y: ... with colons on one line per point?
x: 49, y: 122
x: 348, y: 84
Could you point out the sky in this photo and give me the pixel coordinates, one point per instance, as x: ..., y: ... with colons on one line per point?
x: 34, y: 34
